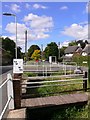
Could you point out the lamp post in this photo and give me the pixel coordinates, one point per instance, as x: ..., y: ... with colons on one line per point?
x: 10, y: 14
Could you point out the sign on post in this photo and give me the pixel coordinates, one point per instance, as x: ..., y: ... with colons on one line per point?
x: 17, y: 65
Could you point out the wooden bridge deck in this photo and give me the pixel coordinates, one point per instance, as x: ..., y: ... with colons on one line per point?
x: 55, y: 100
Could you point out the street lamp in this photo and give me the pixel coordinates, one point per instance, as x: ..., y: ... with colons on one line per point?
x: 10, y: 14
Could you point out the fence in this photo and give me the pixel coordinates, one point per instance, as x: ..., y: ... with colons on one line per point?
x: 8, y: 98
x: 66, y: 81
x: 50, y: 69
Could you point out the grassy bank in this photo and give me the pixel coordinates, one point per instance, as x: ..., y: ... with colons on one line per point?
x: 72, y: 113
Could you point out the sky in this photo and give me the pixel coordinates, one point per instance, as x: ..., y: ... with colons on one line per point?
x: 45, y: 22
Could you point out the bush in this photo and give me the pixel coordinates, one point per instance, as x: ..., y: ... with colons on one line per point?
x: 79, y: 59
x: 72, y: 112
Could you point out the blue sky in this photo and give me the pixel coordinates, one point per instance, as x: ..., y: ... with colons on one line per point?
x: 45, y: 22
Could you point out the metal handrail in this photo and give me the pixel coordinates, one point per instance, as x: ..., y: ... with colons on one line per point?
x: 5, y: 107
x: 4, y: 83
x: 9, y: 98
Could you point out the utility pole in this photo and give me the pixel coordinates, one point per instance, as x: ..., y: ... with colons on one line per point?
x: 89, y: 44
x: 25, y: 46
x: 59, y: 50
x: 41, y: 51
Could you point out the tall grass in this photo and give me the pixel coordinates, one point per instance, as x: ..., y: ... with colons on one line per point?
x: 72, y: 113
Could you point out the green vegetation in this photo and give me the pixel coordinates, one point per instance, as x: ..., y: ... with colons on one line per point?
x: 8, y: 52
x: 51, y: 50
x: 58, y: 87
x: 32, y: 49
x: 54, y: 88
x: 29, y: 74
x: 79, y: 59
x: 71, y: 113
x: 36, y: 55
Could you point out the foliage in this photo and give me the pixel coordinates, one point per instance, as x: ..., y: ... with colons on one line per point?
x: 19, y: 54
x: 29, y: 74
x: 6, y: 58
x: 79, y: 59
x: 62, y: 53
x: 22, y: 55
x: 82, y: 44
x: 51, y: 50
x: 36, y: 55
x: 32, y: 49
x: 73, y: 43
x: 9, y: 45
x: 71, y: 113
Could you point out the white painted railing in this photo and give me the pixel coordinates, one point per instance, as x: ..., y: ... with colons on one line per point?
x: 9, y: 95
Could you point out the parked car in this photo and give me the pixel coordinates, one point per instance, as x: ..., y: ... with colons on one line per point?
x: 78, y: 70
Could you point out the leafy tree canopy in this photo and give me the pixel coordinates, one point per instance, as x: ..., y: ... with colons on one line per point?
x: 36, y: 55
x: 32, y: 49
x: 51, y: 50
x: 72, y: 43
x: 82, y: 44
x: 62, y: 51
x: 9, y: 46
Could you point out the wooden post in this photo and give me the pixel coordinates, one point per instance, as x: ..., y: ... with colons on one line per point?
x: 85, y: 82
x: 89, y: 69
x: 17, y: 90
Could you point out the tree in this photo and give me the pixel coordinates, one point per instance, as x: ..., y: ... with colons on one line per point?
x: 72, y: 43
x: 19, y: 54
x: 62, y: 51
x: 32, y: 49
x: 9, y: 46
x: 51, y: 50
x: 36, y: 55
x: 82, y: 44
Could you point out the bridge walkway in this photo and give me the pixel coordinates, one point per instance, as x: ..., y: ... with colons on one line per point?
x: 60, y: 100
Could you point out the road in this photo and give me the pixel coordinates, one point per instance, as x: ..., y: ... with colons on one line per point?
x: 4, y: 69
x: 45, y: 67
x: 52, y: 67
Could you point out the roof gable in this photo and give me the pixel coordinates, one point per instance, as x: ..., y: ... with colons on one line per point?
x: 71, y: 49
x: 87, y: 49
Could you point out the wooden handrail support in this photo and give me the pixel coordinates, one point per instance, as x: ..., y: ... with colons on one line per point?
x: 85, y: 82
x: 17, y: 90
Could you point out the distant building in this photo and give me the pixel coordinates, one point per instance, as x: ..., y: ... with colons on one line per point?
x: 70, y: 51
x: 86, y: 50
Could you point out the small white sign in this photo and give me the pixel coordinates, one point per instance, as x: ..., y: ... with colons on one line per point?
x: 84, y: 61
x: 17, y: 65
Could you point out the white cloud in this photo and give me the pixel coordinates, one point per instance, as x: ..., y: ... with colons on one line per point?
x: 39, y: 22
x: 11, y: 28
x: 65, y: 43
x: 76, y: 31
x: 27, y: 5
x: 15, y: 8
x: 39, y: 6
x: 63, y: 8
x: 37, y: 29
x: 40, y: 25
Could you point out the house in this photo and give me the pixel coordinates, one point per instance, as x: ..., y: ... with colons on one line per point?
x: 86, y: 50
x: 70, y: 51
